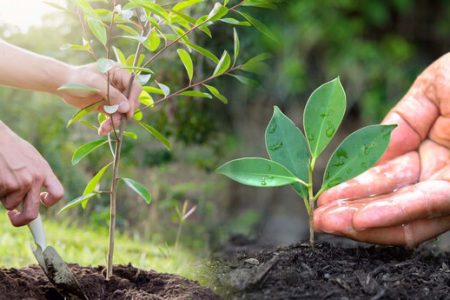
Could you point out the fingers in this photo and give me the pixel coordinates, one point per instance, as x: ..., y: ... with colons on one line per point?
x: 409, y: 235
x: 403, y: 138
x: 380, y: 179
x: 121, y: 79
x: 423, y: 200
x: 30, y: 207
x: 116, y: 98
x: 107, y: 125
x: 433, y: 158
x: 440, y: 133
x: 55, y: 190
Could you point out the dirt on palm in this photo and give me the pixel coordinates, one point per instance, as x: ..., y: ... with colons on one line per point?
x: 127, y: 283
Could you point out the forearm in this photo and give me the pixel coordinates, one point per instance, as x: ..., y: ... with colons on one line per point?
x: 26, y: 70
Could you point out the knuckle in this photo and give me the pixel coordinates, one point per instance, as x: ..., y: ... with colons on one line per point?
x: 30, y: 215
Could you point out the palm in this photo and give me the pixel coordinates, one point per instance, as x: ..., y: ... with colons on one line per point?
x: 405, y: 199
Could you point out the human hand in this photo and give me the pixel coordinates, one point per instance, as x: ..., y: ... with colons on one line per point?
x: 405, y: 199
x: 23, y: 173
x: 89, y: 75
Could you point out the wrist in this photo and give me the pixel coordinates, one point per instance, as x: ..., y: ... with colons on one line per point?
x: 57, y: 75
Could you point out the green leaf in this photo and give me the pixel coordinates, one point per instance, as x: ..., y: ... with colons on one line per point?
x: 97, y: 29
x: 130, y: 134
x: 233, y: 21
x: 254, y: 64
x: 217, y: 12
x: 216, y: 93
x: 184, y: 4
x: 287, y: 145
x: 153, y: 8
x: 153, y: 90
x: 138, y: 115
x: 259, y: 26
x: 323, y: 115
x: 153, y: 41
x: 203, y: 51
x: 143, y: 78
x: 128, y: 29
x: 259, y: 172
x: 85, y: 47
x: 92, y: 184
x: 89, y: 125
x: 146, y: 99
x: 82, y: 112
x: 76, y: 201
x: 120, y: 57
x: 197, y: 94
x: 77, y: 87
x: 356, y: 154
x: 187, y: 62
x: 237, y: 45
x: 164, y: 88
x: 223, y: 65
x: 156, y: 134
x: 259, y: 3
x: 244, y: 80
x: 139, y: 188
x: 84, y: 150
x: 104, y: 65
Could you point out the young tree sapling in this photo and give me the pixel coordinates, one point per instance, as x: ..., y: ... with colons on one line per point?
x: 154, y: 29
x: 293, y: 156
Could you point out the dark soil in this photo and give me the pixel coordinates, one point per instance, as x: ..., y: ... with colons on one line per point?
x: 127, y: 283
x: 333, y: 272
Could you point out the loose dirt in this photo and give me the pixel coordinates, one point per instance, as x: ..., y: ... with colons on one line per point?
x: 127, y: 283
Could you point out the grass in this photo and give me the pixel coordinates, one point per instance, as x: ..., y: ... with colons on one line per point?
x: 88, y: 247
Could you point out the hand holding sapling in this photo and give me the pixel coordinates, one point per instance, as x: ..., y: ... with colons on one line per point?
x: 293, y: 157
x: 154, y: 29
x: 411, y: 182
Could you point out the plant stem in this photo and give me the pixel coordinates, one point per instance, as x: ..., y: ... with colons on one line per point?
x: 177, y: 239
x: 115, y: 177
x: 311, y: 200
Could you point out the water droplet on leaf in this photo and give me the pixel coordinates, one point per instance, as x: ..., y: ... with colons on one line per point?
x: 330, y: 131
x: 276, y: 146
x: 273, y: 127
x: 263, y: 181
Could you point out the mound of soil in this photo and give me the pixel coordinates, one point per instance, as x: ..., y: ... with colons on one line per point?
x: 127, y: 283
x: 333, y: 272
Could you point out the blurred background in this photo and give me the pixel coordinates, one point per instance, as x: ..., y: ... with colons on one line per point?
x: 376, y: 47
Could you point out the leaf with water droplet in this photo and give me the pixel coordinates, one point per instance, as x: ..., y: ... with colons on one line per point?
x: 254, y: 171
x: 287, y: 145
x: 323, y: 114
x: 357, y: 153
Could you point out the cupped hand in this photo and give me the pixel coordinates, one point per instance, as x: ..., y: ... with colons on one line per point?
x: 405, y: 199
x: 23, y: 173
x: 89, y: 75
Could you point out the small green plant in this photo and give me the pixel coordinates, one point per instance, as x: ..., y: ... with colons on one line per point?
x: 182, y: 215
x: 133, y: 35
x: 293, y: 157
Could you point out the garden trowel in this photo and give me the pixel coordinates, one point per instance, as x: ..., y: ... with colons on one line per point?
x: 53, y: 265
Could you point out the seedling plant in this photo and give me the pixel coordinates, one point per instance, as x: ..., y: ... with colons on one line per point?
x: 154, y: 28
x: 293, y: 156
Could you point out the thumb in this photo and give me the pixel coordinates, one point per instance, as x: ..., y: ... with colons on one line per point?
x: 115, y: 98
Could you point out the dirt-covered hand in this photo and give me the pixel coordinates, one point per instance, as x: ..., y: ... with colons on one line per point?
x: 23, y: 173
x: 89, y: 75
x: 405, y: 199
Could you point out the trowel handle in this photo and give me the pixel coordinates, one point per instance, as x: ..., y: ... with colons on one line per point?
x: 37, y: 230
